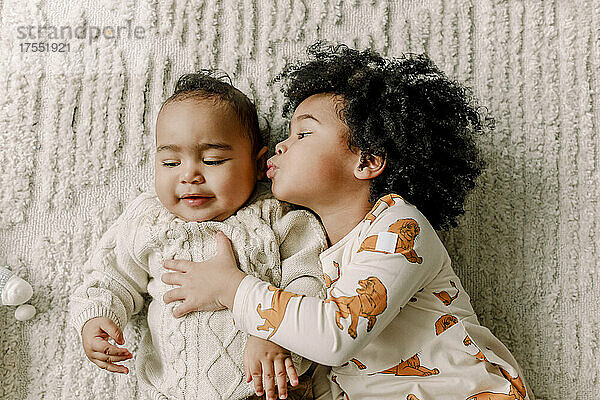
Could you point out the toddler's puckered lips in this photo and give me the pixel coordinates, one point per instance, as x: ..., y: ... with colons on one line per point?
x: 195, y: 199
x: 271, y: 169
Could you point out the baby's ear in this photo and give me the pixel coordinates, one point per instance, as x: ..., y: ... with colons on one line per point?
x: 369, y: 166
x: 261, y: 163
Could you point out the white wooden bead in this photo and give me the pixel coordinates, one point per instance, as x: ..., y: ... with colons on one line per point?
x: 24, y: 312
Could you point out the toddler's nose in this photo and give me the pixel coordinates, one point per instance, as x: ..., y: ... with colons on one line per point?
x: 280, y: 148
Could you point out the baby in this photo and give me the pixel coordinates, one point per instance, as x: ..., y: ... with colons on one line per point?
x: 209, y: 157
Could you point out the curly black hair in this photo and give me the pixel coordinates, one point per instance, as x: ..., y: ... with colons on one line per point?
x: 217, y: 85
x: 406, y: 110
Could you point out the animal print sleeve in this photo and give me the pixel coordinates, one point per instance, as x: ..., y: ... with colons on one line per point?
x: 393, y: 257
x: 399, y: 254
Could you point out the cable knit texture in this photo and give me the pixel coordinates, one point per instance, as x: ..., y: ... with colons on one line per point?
x: 76, y: 143
x: 200, y: 355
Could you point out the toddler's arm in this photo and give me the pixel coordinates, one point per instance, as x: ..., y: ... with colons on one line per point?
x: 372, y: 288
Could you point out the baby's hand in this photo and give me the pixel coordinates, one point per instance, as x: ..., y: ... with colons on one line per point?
x: 94, y: 335
x: 266, y: 361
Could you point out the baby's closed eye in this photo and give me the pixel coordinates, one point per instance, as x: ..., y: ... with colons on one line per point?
x: 215, y: 162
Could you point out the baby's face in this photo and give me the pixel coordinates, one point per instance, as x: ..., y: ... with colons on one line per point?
x: 204, y: 168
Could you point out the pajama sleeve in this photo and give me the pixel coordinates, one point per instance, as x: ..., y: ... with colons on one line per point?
x: 114, y: 276
x: 381, y: 276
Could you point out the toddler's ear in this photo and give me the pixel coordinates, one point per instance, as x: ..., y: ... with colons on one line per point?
x: 261, y: 163
x: 369, y: 166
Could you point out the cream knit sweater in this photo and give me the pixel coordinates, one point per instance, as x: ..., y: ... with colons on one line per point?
x: 201, y: 354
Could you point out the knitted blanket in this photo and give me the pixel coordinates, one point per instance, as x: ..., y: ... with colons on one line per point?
x: 80, y: 86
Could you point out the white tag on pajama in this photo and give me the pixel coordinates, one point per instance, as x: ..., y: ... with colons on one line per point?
x: 386, y: 242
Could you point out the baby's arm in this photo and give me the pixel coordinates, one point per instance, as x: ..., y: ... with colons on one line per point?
x: 269, y: 361
x: 111, y: 292
x: 301, y: 241
x: 94, y: 337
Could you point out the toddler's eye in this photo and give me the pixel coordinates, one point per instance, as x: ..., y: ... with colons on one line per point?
x: 302, y: 134
x: 170, y: 164
x: 214, y: 162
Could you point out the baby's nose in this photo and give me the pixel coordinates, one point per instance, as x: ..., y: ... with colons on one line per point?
x: 192, y: 175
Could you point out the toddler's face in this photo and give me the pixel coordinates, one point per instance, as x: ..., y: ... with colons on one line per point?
x: 204, y: 167
x: 314, y: 163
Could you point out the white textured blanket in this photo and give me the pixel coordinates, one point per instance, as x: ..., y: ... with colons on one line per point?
x: 76, y: 143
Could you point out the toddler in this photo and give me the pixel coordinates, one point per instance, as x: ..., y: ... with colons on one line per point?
x: 383, y: 151
x: 209, y: 156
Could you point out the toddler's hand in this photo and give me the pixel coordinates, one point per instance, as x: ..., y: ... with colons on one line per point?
x: 94, y: 335
x: 203, y: 286
x: 265, y: 362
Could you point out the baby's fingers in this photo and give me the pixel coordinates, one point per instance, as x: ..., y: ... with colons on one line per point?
x: 110, y: 358
x: 256, y: 376
x: 269, y: 380
x: 111, y: 367
x: 247, y: 373
x: 112, y: 330
x: 103, y: 346
x: 291, y: 371
x: 281, y: 376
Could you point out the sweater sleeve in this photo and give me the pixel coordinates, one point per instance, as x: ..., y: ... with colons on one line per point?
x: 114, y: 276
x: 380, y: 278
x: 301, y: 240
